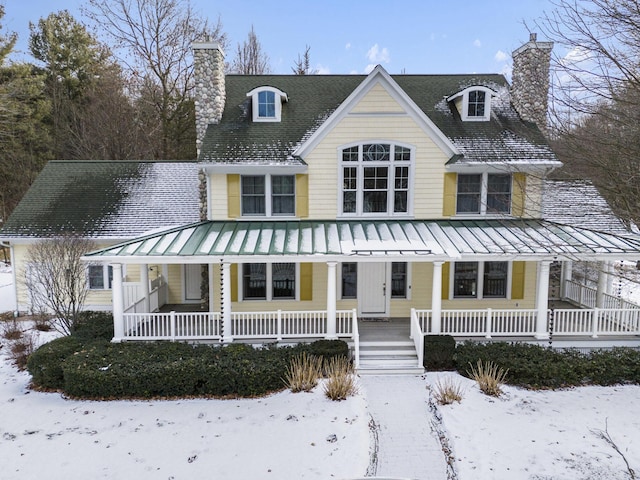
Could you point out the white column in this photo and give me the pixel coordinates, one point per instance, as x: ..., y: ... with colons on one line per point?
x: 542, y: 299
x: 565, y: 275
x: 436, y: 298
x: 118, y: 303
x: 602, y: 284
x: 144, y: 281
x: 331, y: 301
x: 225, y: 305
x: 211, y: 289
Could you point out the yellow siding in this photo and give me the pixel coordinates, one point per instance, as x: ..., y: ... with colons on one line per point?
x: 450, y: 192
x: 377, y: 100
x: 302, y: 196
x: 533, y: 196
x: 324, y: 165
x: 174, y: 280
x: 233, y: 195
x: 218, y: 197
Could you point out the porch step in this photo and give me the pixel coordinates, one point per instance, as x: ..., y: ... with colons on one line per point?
x: 388, y: 358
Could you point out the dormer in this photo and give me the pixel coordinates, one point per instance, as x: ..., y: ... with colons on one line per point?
x: 473, y: 103
x: 266, y: 103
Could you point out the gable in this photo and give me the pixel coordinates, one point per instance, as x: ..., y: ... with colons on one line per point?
x: 378, y: 100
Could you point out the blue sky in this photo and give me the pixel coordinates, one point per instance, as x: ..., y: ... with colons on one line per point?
x: 351, y: 36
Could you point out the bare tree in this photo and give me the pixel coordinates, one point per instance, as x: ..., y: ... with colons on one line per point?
x: 250, y: 57
x: 595, y: 117
x: 56, y: 279
x: 302, y: 66
x: 152, y: 39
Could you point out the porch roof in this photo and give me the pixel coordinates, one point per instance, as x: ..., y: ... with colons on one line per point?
x: 369, y: 240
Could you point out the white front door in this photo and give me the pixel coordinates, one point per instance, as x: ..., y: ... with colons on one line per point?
x: 192, y: 281
x: 372, y: 289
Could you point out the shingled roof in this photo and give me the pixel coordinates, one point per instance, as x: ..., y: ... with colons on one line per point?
x: 106, y: 199
x: 313, y: 98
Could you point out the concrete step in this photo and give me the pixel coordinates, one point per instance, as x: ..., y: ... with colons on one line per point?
x: 383, y: 343
x: 389, y: 370
x: 392, y: 355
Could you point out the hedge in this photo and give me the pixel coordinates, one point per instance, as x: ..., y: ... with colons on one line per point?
x: 439, y: 351
x: 534, y: 366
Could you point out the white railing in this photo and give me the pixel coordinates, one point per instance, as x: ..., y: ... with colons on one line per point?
x: 132, y: 293
x: 481, y: 322
x: 587, y: 296
x: 597, y: 322
x: 417, y: 336
x: 277, y: 325
x: 356, y: 338
x: 135, y: 301
x: 172, y: 326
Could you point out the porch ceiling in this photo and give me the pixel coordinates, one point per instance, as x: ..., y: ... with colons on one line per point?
x: 415, y: 240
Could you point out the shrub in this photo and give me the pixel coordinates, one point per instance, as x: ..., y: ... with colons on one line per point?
x: 447, y: 391
x: 328, y: 349
x: 11, y: 329
x: 489, y: 377
x: 303, y: 372
x: 341, y: 381
x: 42, y: 322
x: 45, y: 364
x: 21, y: 349
x: 94, y: 325
x: 439, y: 352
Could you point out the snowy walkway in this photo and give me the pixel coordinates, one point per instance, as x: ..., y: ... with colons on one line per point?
x: 407, y: 447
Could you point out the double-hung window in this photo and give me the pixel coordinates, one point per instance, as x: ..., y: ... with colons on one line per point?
x: 99, y: 277
x: 484, y: 193
x: 375, y: 179
x: 476, y: 103
x: 266, y: 104
x: 268, y: 195
x: 480, y: 279
x: 263, y: 281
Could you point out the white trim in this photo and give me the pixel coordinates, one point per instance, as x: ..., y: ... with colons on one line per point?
x: 379, y: 76
x: 279, y: 97
x: 464, y: 114
x: 391, y: 164
x: 256, y: 169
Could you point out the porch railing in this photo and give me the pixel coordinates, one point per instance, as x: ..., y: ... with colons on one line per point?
x: 417, y: 336
x: 274, y: 325
x: 587, y: 296
x: 356, y: 339
x: 134, y: 301
x: 522, y: 322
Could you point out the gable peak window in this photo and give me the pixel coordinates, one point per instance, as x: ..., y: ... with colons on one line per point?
x: 376, y: 179
x: 266, y: 103
x: 484, y: 194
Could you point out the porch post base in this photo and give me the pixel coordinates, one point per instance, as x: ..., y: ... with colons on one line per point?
x: 542, y: 336
x: 227, y: 339
x: 117, y: 340
x: 331, y: 337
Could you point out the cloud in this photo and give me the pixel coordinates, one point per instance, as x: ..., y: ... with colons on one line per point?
x: 377, y: 55
x: 576, y: 56
x: 347, y: 46
x: 477, y: 43
x: 500, y: 56
x: 321, y: 70
x: 369, y: 68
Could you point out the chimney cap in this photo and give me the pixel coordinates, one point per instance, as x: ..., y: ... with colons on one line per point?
x: 533, y: 37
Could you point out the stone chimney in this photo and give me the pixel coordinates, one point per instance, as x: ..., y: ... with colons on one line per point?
x: 210, y: 93
x: 530, y: 81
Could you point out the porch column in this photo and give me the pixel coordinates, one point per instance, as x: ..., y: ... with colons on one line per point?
x: 144, y: 281
x: 225, y: 304
x: 565, y: 276
x: 436, y: 298
x: 118, y: 303
x: 211, y: 293
x: 331, y: 301
x: 602, y: 284
x: 542, y: 299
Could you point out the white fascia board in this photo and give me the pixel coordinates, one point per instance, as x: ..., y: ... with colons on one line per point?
x: 255, y: 169
x: 540, y: 168
x: 379, y: 74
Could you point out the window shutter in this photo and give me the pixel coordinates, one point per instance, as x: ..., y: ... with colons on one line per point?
x: 449, y: 200
x: 234, y: 282
x: 445, y: 280
x: 517, y: 280
x: 233, y: 195
x: 306, y: 281
x: 302, y: 195
x: 518, y: 196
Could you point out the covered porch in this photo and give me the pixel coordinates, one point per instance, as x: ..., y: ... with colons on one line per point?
x: 219, y: 245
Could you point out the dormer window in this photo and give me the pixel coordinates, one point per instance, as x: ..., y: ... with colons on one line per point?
x: 266, y: 103
x: 473, y: 103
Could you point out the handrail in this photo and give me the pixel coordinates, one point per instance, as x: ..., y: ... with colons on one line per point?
x: 417, y: 336
x: 356, y: 339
